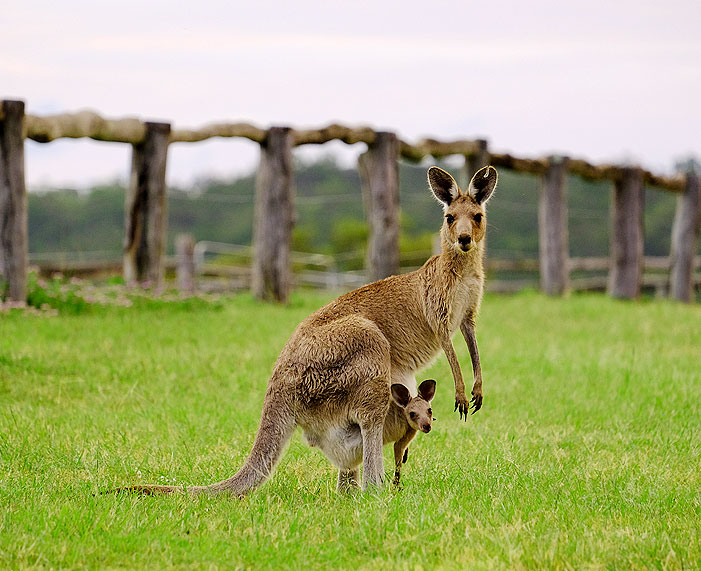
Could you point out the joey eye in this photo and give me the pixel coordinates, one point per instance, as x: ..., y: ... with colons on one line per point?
x: 449, y: 218
x: 478, y: 218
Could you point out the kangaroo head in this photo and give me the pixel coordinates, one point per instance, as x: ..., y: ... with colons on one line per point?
x: 417, y: 409
x: 464, y: 222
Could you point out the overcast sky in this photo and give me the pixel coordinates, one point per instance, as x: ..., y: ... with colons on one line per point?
x: 602, y: 80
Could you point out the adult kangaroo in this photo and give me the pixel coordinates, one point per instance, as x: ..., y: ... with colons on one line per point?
x: 335, y: 372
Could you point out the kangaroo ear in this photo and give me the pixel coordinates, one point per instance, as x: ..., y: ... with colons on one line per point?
x: 483, y: 184
x: 400, y: 394
x: 444, y: 187
x: 427, y: 389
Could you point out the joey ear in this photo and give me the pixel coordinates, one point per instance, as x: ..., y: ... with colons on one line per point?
x: 427, y: 389
x: 483, y: 184
x: 400, y: 394
x: 443, y: 185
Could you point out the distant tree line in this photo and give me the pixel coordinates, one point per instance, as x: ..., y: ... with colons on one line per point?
x: 331, y: 218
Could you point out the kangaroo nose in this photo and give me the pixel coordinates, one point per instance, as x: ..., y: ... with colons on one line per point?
x: 426, y: 428
x: 464, y: 240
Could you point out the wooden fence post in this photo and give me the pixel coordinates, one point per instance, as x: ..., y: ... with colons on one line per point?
x: 379, y: 175
x: 685, y: 236
x: 185, y: 262
x: 480, y: 159
x: 274, y: 217
x: 145, y: 208
x: 13, y: 203
x: 553, y: 236
x: 626, y: 249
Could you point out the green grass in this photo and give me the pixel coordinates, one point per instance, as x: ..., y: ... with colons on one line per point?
x: 586, y: 453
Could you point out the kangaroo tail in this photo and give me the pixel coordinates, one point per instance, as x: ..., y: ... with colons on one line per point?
x: 276, y: 427
x: 277, y: 424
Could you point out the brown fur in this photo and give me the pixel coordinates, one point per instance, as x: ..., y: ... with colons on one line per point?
x: 333, y: 376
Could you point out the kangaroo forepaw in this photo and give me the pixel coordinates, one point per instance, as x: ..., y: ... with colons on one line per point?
x: 461, y: 405
x: 476, y: 399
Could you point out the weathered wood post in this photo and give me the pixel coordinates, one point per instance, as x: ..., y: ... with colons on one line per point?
x: 145, y: 208
x: 185, y: 262
x: 553, y: 235
x: 626, y: 249
x: 379, y: 175
x: 274, y: 217
x: 13, y: 203
x: 685, y: 236
x: 476, y: 161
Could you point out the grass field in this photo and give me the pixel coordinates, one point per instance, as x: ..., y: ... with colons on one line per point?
x: 586, y: 453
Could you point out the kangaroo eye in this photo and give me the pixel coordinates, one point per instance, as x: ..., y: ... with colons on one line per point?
x: 478, y: 218
x: 412, y: 415
x: 430, y: 411
x: 449, y: 218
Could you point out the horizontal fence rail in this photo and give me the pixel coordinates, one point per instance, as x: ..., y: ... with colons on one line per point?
x: 143, y: 257
x: 88, y: 124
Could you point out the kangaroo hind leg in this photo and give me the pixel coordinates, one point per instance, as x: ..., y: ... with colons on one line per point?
x: 373, y: 465
x: 352, y: 372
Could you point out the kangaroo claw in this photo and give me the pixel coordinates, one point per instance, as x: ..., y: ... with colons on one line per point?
x: 461, y: 405
x: 476, y: 402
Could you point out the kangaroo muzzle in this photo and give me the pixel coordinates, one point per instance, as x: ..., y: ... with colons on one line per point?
x: 465, y: 242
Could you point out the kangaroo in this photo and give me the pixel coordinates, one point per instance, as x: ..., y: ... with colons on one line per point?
x: 337, y: 369
x: 401, y: 429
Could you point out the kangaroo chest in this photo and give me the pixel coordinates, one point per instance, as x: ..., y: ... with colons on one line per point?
x: 464, y: 298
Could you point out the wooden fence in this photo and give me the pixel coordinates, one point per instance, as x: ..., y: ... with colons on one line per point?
x: 232, y: 271
x: 145, y: 223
